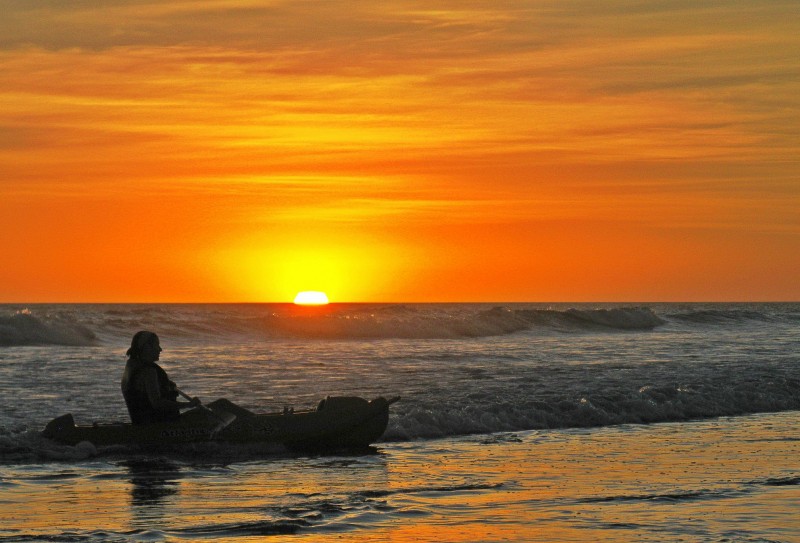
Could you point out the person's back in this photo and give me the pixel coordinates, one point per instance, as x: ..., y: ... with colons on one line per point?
x: 142, y: 406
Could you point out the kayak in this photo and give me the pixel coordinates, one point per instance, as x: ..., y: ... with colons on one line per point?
x: 338, y: 422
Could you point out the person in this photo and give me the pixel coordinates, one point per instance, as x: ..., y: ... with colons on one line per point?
x: 149, y: 394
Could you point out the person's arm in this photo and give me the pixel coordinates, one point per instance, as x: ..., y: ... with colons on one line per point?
x: 154, y: 394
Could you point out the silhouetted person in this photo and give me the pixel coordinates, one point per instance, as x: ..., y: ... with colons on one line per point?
x: 149, y: 394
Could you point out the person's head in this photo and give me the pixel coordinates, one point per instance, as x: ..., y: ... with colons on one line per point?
x: 145, y: 346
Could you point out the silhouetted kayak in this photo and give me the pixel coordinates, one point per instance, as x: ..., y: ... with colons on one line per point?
x: 337, y: 423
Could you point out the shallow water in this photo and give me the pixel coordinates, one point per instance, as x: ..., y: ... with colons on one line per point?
x: 516, y: 424
x: 731, y: 479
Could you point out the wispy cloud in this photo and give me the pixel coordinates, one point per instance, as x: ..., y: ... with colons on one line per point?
x: 380, y: 115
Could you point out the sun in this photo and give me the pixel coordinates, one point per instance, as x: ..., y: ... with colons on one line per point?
x: 311, y: 297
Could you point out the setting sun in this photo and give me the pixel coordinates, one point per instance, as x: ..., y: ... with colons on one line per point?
x: 311, y: 297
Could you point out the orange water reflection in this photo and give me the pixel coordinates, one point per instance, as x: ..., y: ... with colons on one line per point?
x: 663, y: 482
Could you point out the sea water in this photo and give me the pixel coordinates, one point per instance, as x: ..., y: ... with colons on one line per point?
x: 518, y: 422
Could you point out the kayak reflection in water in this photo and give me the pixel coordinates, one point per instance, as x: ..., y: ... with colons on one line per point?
x: 148, y: 391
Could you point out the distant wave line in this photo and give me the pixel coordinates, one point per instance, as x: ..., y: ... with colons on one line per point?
x: 78, y: 326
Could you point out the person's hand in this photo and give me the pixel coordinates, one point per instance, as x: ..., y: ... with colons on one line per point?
x: 194, y: 402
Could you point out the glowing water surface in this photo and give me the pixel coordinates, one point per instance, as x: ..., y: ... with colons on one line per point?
x: 736, y: 479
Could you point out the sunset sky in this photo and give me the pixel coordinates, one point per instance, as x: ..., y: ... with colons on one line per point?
x: 470, y: 150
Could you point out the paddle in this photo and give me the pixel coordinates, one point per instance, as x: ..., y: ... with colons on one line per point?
x: 224, y: 417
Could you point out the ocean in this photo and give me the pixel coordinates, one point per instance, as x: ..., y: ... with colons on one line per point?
x: 518, y: 422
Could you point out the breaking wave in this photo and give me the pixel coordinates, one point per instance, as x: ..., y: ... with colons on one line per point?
x: 88, y: 325
x: 24, y: 328
x: 703, y: 394
x: 623, y: 318
x: 348, y: 321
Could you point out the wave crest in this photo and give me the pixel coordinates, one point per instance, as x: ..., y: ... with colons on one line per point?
x: 645, y: 405
x: 24, y: 328
x: 619, y: 318
x: 407, y: 323
x: 77, y: 325
x: 724, y: 316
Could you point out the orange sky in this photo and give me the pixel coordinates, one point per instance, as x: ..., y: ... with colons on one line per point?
x: 388, y: 151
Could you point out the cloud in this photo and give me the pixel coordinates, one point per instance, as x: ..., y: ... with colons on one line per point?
x: 476, y: 97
